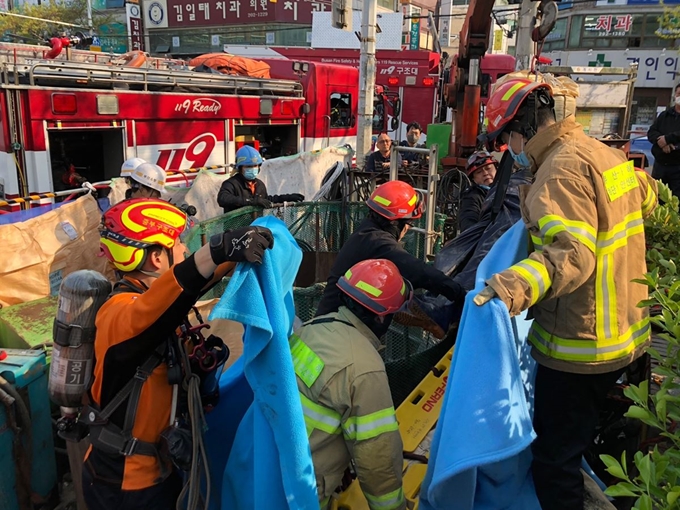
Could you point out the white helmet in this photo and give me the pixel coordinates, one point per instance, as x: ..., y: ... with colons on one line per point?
x: 150, y: 175
x: 127, y: 168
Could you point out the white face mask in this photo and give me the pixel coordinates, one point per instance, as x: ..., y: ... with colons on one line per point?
x: 677, y: 100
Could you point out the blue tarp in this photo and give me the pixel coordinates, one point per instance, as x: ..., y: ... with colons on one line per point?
x: 480, y: 456
x: 260, y: 425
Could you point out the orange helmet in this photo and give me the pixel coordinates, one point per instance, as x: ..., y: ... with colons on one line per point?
x: 377, y: 285
x: 396, y: 200
x: 132, y: 226
x: 505, y: 102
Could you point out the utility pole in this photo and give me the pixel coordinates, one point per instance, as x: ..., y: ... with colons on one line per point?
x: 366, y: 79
x: 524, y: 48
x: 89, y: 16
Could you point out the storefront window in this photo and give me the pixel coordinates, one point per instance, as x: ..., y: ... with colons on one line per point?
x: 557, y: 37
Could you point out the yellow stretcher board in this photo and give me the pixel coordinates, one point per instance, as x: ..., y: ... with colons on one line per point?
x: 417, y: 416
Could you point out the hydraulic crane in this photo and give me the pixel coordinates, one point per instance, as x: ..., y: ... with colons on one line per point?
x: 463, y: 93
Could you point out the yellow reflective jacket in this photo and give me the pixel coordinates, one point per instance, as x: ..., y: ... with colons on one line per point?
x: 348, y: 408
x: 584, y: 213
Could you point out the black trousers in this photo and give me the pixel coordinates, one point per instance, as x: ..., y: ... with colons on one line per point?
x: 565, y: 417
x: 103, y: 496
x: 669, y: 175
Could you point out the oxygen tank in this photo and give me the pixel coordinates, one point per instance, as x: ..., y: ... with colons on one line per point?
x: 81, y: 294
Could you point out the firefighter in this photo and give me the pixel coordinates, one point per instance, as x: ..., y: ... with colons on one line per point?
x: 124, y: 469
x: 481, y: 169
x: 584, y: 213
x: 344, y: 389
x: 244, y: 188
x: 392, y: 208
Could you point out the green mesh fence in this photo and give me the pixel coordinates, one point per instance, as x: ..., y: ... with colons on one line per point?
x: 323, y: 227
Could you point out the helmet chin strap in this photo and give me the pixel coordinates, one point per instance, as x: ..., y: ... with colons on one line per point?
x: 155, y: 274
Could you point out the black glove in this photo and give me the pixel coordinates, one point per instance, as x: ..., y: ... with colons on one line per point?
x: 246, y: 244
x: 296, y: 197
x: 259, y: 202
x: 452, y: 290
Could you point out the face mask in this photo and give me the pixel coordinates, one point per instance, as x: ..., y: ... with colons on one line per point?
x: 521, y: 159
x: 412, y: 138
x: 677, y: 101
x: 251, y: 173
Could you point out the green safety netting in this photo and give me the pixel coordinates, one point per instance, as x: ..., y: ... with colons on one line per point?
x: 321, y: 228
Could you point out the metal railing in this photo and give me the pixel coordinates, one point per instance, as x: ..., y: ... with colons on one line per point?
x: 430, y: 193
x: 81, y: 73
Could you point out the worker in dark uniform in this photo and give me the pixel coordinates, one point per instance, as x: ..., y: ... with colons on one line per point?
x: 481, y: 169
x: 245, y: 188
x: 379, y: 160
x: 124, y: 468
x: 393, y: 206
x: 664, y: 135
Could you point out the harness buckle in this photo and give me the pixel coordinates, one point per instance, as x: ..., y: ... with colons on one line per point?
x: 130, y: 447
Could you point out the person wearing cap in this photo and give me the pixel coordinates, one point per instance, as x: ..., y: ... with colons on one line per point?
x: 584, y: 214
x: 344, y: 389
x: 245, y: 189
x: 481, y: 169
x: 125, y: 468
x: 393, y: 206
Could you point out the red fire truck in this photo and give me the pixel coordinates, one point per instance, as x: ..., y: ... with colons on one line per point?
x: 86, y: 114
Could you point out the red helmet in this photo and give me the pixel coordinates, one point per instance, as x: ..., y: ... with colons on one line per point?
x: 504, y: 103
x: 376, y: 284
x: 478, y: 160
x: 132, y: 226
x: 396, y: 200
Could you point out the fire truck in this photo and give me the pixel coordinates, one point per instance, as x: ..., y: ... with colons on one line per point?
x: 83, y: 113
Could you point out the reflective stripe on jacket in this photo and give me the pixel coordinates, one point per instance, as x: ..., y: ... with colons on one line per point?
x: 348, y: 408
x: 585, y: 213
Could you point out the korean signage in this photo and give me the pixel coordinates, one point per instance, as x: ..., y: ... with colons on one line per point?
x: 656, y: 69
x: 134, y: 25
x: 197, y: 13
x: 415, y: 34
x: 608, y: 25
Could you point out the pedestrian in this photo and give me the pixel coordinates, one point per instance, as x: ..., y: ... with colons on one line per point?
x: 379, y: 161
x: 584, y: 213
x: 413, y: 132
x: 344, y: 389
x: 245, y: 189
x: 664, y: 135
x: 393, y: 206
x: 125, y: 468
x: 481, y: 169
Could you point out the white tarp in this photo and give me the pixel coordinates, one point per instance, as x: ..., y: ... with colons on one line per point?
x: 302, y: 173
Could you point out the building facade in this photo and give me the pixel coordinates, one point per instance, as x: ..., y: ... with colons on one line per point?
x: 617, y: 33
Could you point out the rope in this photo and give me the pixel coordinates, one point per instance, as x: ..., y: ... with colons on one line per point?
x: 199, y: 458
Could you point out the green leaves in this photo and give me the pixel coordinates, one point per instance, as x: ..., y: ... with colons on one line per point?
x: 654, y: 479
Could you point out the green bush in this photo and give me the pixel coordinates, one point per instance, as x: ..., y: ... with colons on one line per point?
x: 655, y: 481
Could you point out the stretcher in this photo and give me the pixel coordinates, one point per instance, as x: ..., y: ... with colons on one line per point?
x: 417, y: 417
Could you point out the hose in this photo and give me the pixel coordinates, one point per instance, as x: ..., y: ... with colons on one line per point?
x: 25, y: 468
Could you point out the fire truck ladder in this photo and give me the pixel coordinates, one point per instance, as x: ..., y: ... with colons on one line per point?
x: 430, y: 193
x: 80, y: 74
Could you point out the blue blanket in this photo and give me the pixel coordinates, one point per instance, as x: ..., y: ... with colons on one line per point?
x: 480, y: 456
x: 269, y: 463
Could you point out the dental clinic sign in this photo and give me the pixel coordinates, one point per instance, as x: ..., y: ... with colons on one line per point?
x: 656, y: 69
x: 608, y: 25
